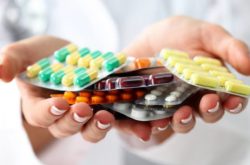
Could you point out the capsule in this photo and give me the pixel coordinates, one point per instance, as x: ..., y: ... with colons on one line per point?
x: 73, y: 58
x: 56, y: 78
x: 62, y: 53
x: 84, y: 79
x: 68, y: 79
x: 161, y: 78
x: 97, y: 63
x: 115, y: 62
x: 84, y: 61
x: 135, y: 81
x: 146, y: 63
x: 33, y: 70
x: 45, y: 74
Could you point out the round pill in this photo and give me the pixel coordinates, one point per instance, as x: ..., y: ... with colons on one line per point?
x: 139, y: 93
x: 69, y: 95
x: 121, y: 106
x: 139, y: 113
x: 111, y: 98
x: 99, y: 93
x: 156, y: 92
x: 170, y: 98
x: 85, y: 94
x: 180, y: 89
x: 97, y: 100
x: 126, y: 96
x: 150, y: 97
x: 175, y: 93
x: 83, y: 99
x: 71, y: 101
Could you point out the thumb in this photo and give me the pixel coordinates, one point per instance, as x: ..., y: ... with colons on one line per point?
x: 17, y: 56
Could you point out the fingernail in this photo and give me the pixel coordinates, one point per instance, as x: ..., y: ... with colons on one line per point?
x: 162, y: 128
x: 237, y: 109
x: 80, y: 119
x: 187, y: 120
x: 142, y: 140
x: 215, y: 109
x: 57, y: 112
x: 103, y: 126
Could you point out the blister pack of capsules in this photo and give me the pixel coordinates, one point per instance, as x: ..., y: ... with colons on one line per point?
x: 73, y: 69
x: 121, y: 101
x: 203, y: 72
x: 139, y: 81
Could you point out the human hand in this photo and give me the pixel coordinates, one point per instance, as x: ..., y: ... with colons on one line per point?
x: 197, y: 38
x: 38, y: 109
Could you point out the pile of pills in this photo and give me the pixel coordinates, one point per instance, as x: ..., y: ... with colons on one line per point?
x: 73, y: 69
x: 203, y: 72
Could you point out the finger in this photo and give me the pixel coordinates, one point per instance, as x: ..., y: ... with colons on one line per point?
x: 44, y: 112
x: 183, y: 120
x: 16, y: 57
x: 234, y: 104
x: 73, y: 121
x: 210, y: 108
x: 160, y: 125
x: 141, y: 130
x: 98, y: 126
x: 222, y: 44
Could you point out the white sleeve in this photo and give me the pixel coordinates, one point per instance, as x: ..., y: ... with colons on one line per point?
x: 15, y: 147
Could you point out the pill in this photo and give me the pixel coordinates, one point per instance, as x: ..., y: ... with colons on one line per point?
x: 114, y: 92
x: 97, y: 100
x: 204, y: 80
x: 73, y: 58
x: 223, y: 79
x: 170, y: 98
x: 166, y: 53
x: 172, y: 61
x: 44, y: 75
x: 237, y: 88
x: 85, y: 94
x: 139, y: 93
x: 150, y: 97
x: 209, y: 67
x: 62, y: 53
x: 97, y: 63
x: 180, y: 89
x: 187, y: 73
x: 33, y: 70
x: 217, y: 73
x: 71, y: 101
x: 56, y: 78
x: 87, y: 77
x: 100, y: 85
x: 175, y: 93
x: 139, y: 113
x: 122, y: 106
x: 110, y: 83
x: 206, y: 60
x: 156, y: 92
x: 142, y: 63
x: 160, y: 78
x: 85, y: 61
x: 83, y: 99
x: 114, y: 62
x: 68, y: 79
x: 135, y: 81
x: 111, y: 98
x: 126, y: 96
x: 180, y: 67
x: 69, y: 95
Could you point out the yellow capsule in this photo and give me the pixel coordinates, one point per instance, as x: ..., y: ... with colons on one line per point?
x: 237, y: 88
x: 179, y: 67
x: 96, y: 63
x: 68, y: 79
x: 73, y: 58
x: 209, y: 67
x: 71, y: 47
x: 56, y: 67
x: 92, y: 73
x: 204, y: 80
x: 206, y: 60
x: 84, y: 61
x: 224, y: 79
x: 166, y: 53
x: 121, y: 58
x: 172, y: 61
x: 68, y: 69
x: 32, y: 71
x: 187, y: 73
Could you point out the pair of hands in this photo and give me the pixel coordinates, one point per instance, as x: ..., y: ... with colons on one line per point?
x: 187, y: 34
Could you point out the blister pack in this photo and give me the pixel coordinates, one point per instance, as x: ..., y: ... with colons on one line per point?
x: 73, y: 69
x: 139, y: 81
x: 167, y: 95
x: 203, y: 72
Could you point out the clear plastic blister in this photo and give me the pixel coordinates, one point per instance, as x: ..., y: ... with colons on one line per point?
x: 73, y: 69
x: 203, y: 72
x: 140, y: 81
x: 168, y: 95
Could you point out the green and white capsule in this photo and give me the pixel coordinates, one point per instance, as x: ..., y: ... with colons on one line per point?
x: 62, y: 53
x: 33, y: 70
x: 56, y: 78
x: 73, y: 58
x: 68, y: 79
x: 85, y: 61
x: 44, y: 75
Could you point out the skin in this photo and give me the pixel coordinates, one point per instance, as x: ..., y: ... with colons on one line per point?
x: 187, y: 34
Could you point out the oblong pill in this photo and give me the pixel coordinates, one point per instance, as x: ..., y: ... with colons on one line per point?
x: 199, y: 79
x: 237, y: 88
